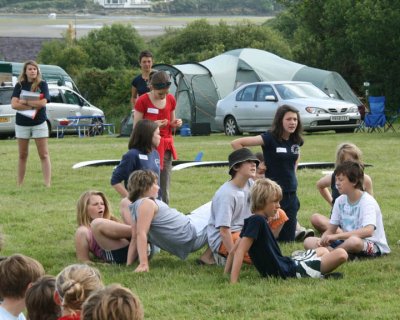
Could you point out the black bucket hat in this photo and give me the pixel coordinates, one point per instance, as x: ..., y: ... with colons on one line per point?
x: 239, y: 156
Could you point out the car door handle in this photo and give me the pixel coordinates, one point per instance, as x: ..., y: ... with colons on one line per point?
x: 256, y: 105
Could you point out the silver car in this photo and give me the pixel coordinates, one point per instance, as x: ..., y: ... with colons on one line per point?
x: 64, y: 103
x: 252, y: 107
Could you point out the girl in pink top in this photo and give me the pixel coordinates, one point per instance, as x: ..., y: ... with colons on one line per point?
x: 158, y: 105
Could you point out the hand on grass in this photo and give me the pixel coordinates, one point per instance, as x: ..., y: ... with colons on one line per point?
x: 143, y: 267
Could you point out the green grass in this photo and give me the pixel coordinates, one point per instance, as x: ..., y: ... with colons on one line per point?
x: 40, y: 222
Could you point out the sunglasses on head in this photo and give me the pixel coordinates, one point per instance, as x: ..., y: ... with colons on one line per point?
x: 161, y: 85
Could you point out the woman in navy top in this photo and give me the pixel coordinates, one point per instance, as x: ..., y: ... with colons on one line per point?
x: 30, y: 119
x: 281, y: 149
x: 142, y: 154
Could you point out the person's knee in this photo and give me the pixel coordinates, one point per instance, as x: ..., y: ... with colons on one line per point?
x: 353, y: 244
x: 97, y: 225
x: 23, y: 155
x: 310, y: 243
x: 341, y: 254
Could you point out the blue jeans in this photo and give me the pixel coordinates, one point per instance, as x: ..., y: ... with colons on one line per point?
x: 290, y: 204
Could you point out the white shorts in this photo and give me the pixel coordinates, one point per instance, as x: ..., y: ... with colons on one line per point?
x: 27, y: 132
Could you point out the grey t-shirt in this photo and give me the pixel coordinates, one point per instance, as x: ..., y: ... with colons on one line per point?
x: 230, y: 206
x: 170, y: 230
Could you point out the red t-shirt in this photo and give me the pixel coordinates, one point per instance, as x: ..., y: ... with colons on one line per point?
x: 151, y: 112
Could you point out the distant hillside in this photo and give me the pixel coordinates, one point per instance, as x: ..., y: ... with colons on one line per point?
x: 20, y: 49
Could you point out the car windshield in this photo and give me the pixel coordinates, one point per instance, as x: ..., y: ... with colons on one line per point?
x: 299, y: 90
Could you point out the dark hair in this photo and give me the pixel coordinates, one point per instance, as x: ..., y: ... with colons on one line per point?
x: 354, y: 171
x: 160, y: 80
x: 142, y: 136
x: 277, y: 125
x: 145, y: 53
x: 39, y: 300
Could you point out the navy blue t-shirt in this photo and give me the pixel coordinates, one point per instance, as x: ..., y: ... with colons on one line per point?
x: 265, y: 252
x: 134, y: 160
x: 140, y: 84
x: 280, y: 158
x: 40, y: 117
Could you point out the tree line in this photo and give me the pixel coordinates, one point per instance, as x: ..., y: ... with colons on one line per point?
x: 357, y: 38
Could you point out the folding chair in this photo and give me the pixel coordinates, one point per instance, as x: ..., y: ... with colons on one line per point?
x: 375, y: 119
x: 391, y: 119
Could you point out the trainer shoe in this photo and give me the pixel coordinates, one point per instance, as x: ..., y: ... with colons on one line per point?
x: 309, y: 233
x: 299, y: 234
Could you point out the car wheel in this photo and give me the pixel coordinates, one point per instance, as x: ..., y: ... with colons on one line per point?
x: 231, y: 127
x: 97, y: 128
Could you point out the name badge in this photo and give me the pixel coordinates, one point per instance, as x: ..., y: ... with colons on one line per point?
x: 281, y: 150
x: 152, y: 110
x: 143, y: 157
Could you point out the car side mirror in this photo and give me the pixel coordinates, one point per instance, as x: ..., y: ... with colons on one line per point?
x: 271, y: 98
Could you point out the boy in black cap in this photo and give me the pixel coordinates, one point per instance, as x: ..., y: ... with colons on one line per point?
x: 231, y: 203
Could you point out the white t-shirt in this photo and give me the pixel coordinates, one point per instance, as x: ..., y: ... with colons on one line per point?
x: 5, y: 315
x: 353, y: 216
x: 229, y: 207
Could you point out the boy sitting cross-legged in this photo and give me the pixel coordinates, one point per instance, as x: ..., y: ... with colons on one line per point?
x: 257, y: 239
x: 358, y: 215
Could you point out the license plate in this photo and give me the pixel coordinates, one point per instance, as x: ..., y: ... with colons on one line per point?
x: 340, y: 118
x: 5, y: 119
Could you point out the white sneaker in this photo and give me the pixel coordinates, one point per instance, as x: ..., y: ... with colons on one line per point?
x: 300, y: 234
x: 309, y: 233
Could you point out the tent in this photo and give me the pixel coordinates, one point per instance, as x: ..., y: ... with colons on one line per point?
x: 198, y: 86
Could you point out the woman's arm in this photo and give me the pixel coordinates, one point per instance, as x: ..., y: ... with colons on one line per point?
x: 247, y: 142
x: 323, y: 185
x: 145, y: 215
x: 175, y: 123
x: 133, y: 97
x: 82, y: 244
x: 137, y: 116
x: 243, y: 247
x: 120, y: 188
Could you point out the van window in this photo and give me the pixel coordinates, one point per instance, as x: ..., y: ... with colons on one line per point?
x: 55, y: 96
x: 71, y: 98
x: 5, y: 96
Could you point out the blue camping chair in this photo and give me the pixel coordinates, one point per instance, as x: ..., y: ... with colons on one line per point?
x: 375, y: 119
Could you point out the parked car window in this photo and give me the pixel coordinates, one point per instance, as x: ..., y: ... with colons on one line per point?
x: 264, y: 91
x: 55, y: 96
x: 71, y: 98
x: 299, y: 90
x: 5, y: 96
x: 247, y: 94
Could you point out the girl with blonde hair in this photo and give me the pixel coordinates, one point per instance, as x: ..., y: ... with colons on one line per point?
x: 30, y: 119
x: 99, y: 232
x: 74, y: 284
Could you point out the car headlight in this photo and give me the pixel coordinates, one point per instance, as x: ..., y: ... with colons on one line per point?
x: 352, y: 109
x: 315, y: 110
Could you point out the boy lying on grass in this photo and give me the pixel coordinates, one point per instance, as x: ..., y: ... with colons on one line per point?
x: 257, y: 239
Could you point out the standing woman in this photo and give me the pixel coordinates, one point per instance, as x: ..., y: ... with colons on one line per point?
x: 36, y: 127
x: 159, y: 106
x: 281, y: 149
x: 140, y: 82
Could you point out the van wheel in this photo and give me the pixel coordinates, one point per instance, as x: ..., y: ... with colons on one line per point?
x: 51, y: 134
x: 231, y: 127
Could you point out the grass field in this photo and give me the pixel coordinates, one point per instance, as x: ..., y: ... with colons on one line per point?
x: 40, y: 222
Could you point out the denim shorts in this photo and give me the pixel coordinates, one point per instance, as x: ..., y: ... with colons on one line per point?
x: 27, y: 132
